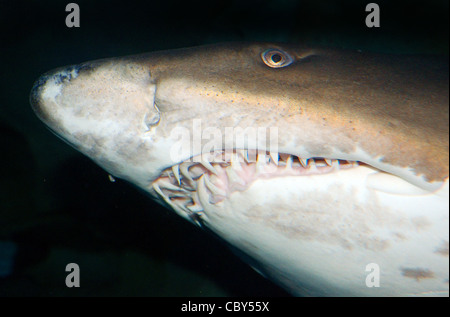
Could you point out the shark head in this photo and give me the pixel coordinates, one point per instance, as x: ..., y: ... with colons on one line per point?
x: 281, y: 150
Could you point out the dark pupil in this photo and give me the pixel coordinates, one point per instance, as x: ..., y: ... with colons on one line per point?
x: 276, y: 58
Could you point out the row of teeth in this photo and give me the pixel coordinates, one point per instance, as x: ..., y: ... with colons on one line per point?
x: 178, y: 185
x: 240, y: 156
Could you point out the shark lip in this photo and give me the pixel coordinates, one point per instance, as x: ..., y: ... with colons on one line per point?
x: 224, y: 172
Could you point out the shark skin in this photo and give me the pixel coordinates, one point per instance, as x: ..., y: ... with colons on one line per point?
x: 352, y: 200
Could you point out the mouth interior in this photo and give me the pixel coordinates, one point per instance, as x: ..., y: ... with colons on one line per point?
x: 221, y: 173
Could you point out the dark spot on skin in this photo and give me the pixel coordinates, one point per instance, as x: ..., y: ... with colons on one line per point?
x: 85, y: 67
x: 38, y: 84
x: 442, y: 249
x: 58, y: 79
x: 417, y: 273
x: 390, y: 124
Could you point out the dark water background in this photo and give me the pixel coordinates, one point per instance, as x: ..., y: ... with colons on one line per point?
x: 57, y: 207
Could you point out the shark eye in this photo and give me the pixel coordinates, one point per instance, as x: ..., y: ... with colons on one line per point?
x: 276, y: 58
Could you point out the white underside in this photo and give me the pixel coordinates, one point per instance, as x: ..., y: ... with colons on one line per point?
x: 315, y: 235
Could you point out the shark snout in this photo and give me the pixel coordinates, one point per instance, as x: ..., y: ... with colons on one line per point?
x: 99, y: 107
x: 48, y: 88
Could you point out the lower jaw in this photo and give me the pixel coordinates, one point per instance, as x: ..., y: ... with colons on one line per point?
x: 321, y: 231
x: 314, y: 226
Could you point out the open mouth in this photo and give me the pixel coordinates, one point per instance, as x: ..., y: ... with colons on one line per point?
x: 224, y: 172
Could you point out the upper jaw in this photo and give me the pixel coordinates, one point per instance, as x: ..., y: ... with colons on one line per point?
x: 68, y: 101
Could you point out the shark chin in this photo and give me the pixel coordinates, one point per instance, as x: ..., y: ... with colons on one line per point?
x: 350, y: 199
x: 333, y: 218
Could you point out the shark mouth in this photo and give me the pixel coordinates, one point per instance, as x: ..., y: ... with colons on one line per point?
x: 220, y: 174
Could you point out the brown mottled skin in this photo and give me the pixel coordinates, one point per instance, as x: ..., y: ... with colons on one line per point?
x: 391, y: 106
x: 394, y: 106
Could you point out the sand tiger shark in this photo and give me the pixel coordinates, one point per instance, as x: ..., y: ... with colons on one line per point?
x: 351, y: 198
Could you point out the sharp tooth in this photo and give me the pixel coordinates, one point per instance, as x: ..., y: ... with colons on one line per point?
x: 220, y: 157
x: 328, y: 161
x: 312, y: 164
x: 157, y: 189
x: 252, y: 156
x: 160, y: 193
x: 176, y: 173
x: 177, y: 195
x: 261, y: 158
x: 202, y: 192
x: 236, y: 162
x: 289, y: 161
x: 274, y: 157
x: 181, y: 210
x: 260, y: 162
x: 195, y: 208
x: 216, y: 179
x: 245, y: 155
x: 213, y: 188
x: 208, y: 166
x: 184, y: 169
x: 335, y: 163
x: 303, y: 161
x: 227, y: 156
x: 233, y: 177
x: 166, y: 184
